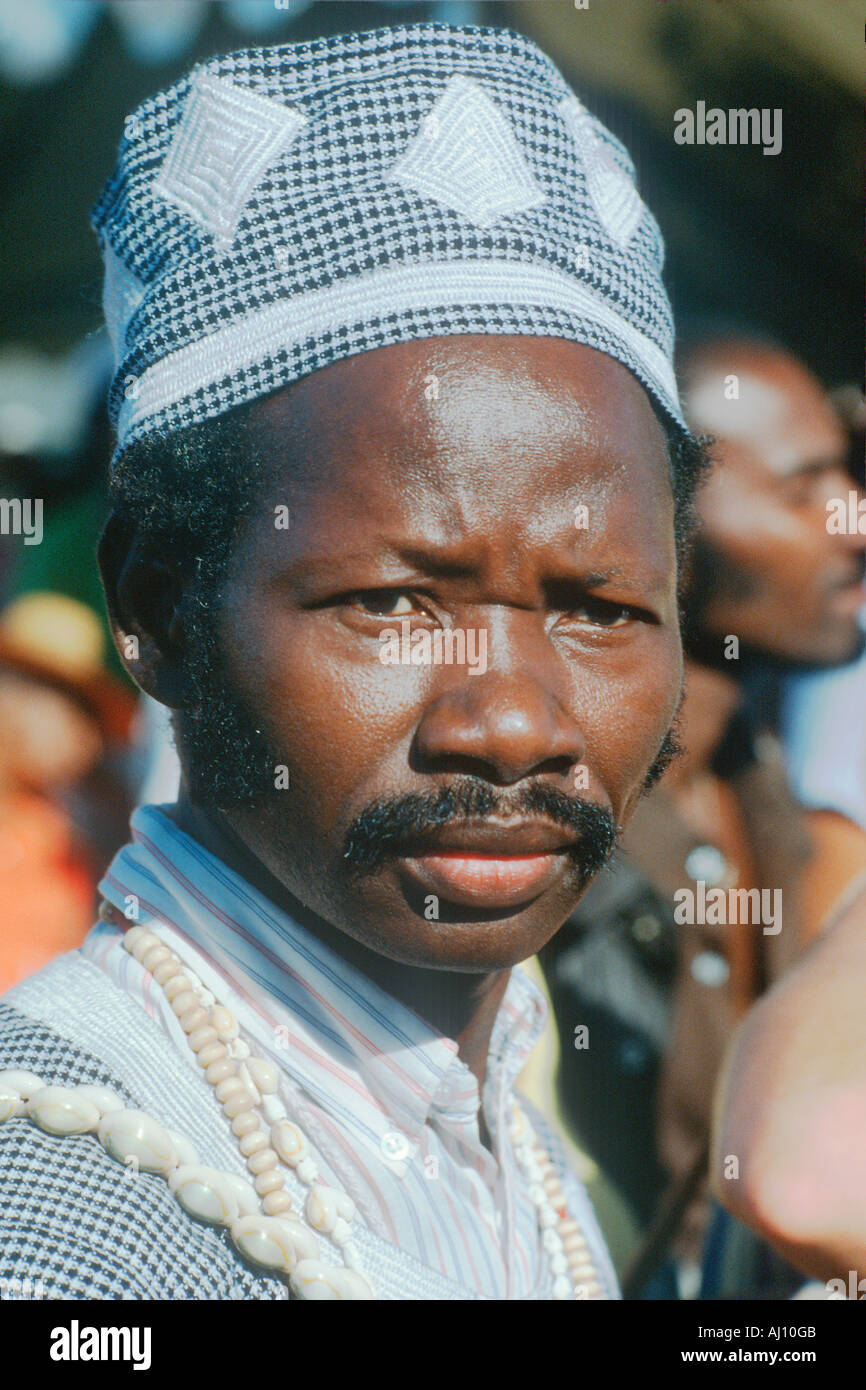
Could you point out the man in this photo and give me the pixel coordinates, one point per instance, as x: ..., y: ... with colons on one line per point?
x: 825, y: 739
x: 657, y: 979
x: 393, y: 364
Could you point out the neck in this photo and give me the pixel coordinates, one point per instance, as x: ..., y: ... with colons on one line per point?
x: 461, y: 1005
x: 710, y: 700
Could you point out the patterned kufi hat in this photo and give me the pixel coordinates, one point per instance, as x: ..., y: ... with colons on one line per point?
x: 281, y: 208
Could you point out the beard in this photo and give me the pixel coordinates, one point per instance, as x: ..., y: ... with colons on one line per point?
x: 228, y: 761
x: 670, y: 750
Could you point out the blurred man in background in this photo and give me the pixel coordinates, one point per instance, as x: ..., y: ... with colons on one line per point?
x: 659, y: 989
x: 821, y: 719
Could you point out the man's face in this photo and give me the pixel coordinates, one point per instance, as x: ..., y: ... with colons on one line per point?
x: 436, y: 812
x: 782, y: 583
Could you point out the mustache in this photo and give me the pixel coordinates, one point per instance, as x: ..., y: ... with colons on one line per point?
x: 391, y: 826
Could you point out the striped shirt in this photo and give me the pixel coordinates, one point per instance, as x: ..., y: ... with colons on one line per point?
x: 391, y: 1109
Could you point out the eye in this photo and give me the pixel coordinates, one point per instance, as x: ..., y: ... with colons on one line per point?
x: 386, y: 603
x: 602, y: 613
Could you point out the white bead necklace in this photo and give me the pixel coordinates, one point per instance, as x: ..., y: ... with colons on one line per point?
x: 259, y: 1214
x: 574, y: 1271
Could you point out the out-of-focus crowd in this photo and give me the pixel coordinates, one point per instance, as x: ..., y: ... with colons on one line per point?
x: 76, y: 745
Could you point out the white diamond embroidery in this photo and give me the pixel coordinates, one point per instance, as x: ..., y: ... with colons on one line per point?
x: 227, y: 138
x: 121, y: 296
x: 466, y: 157
x: 616, y: 200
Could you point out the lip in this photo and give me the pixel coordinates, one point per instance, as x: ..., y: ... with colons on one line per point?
x: 491, y: 866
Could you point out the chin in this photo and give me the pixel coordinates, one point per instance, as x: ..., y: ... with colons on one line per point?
x: 829, y: 654
x: 464, y: 958
x: 464, y: 941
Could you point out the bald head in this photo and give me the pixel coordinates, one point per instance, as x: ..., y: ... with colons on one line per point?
x: 759, y: 401
x: 766, y: 566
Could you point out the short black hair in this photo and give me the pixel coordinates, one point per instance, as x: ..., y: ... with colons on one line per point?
x: 188, y: 491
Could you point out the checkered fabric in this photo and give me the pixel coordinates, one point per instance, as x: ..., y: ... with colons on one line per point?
x: 76, y: 1224
x: 282, y: 208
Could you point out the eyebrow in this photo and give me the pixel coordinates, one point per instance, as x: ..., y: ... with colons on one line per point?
x: 429, y: 562
x: 655, y: 584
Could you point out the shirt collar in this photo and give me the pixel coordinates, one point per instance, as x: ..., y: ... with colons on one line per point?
x: 342, y: 1030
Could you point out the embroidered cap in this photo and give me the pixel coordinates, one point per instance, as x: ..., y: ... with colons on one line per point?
x: 281, y: 208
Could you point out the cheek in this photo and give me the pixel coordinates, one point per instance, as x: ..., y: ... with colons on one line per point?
x: 625, y: 714
x: 340, y: 722
x: 778, y: 547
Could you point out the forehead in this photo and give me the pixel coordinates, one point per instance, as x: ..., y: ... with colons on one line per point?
x: 508, y: 419
x: 768, y: 413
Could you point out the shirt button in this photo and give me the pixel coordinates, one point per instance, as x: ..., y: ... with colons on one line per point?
x: 394, y: 1146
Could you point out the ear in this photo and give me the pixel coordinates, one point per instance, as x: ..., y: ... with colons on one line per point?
x: 145, y: 594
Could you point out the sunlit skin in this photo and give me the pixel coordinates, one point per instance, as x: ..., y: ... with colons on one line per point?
x: 781, y: 454
x: 459, y: 511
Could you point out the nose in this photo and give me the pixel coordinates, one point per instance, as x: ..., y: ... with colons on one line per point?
x: 503, y: 726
